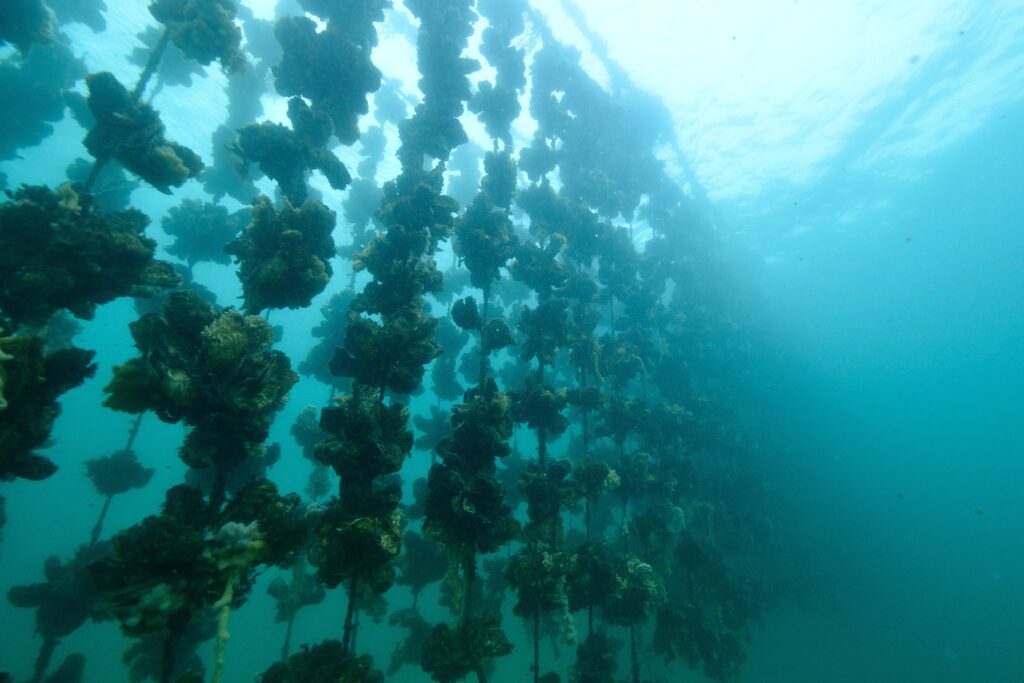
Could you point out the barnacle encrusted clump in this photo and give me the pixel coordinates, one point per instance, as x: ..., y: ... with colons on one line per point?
x: 178, y: 562
x: 392, y: 355
x: 58, y: 251
x: 417, y: 217
x: 538, y: 266
x: 286, y: 155
x: 485, y: 240
x: 705, y: 619
x: 201, y: 230
x: 599, y: 136
x: 285, y: 255
x: 31, y: 382
x: 24, y: 23
x: 328, y: 661
x: 589, y: 577
x: 35, y: 85
x: 466, y: 314
x: 365, y: 439
x: 357, y: 538
x: 203, y: 30
x: 331, y: 68
x: 466, y: 512
x: 555, y: 213
x: 450, y: 654
x: 465, y: 507
x: 546, y: 329
x: 595, y: 660
x: 213, y: 369
x: 132, y: 133
x: 537, y: 573
x: 226, y: 174
x: 592, y: 478
x: 637, y: 593
x: 66, y: 598
x: 540, y: 406
x: 361, y: 532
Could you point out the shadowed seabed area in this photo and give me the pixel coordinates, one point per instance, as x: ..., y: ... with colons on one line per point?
x: 511, y: 340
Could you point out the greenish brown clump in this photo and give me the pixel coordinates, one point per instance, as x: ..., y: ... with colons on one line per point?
x: 179, y: 561
x: 451, y: 654
x: 58, y: 251
x: 132, y: 133
x: 285, y: 255
x: 328, y: 661
x: 212, y: 369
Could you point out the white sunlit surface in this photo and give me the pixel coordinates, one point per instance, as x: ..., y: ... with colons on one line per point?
x: 769, y: 92
x: 767, y: 96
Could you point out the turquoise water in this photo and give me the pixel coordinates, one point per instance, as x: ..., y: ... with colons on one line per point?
x: 874, y: 279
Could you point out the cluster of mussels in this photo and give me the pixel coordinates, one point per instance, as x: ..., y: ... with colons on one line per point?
x: 584, y: 458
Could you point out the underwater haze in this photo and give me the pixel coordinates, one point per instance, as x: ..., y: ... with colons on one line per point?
x: 511, y: 340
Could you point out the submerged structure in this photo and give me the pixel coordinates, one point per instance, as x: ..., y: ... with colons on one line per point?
x: 527, y: 454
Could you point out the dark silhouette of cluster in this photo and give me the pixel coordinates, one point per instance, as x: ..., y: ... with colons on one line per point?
x: 88, y: 12
x: 201, y: 231
x: 226, y: 174
x: 24, y: 23
x: 331, y: 332
x: 113, y: 475
x: 287, y: 155
x: 331, y: 68
x: 302, y: 591
x: 175, y: 68
x: 36, y: 84
x: 204, y: 30
x: 497, y: 104
x: 63, y: 602
x: 434, y: 130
